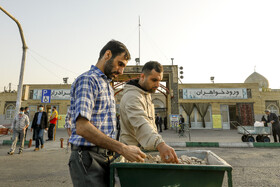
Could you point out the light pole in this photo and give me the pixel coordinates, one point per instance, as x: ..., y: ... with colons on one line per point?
x: 24, y: 47
x: 172, y: 60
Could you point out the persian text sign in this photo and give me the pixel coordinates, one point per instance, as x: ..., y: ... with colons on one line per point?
x: 215, y: 93
x: 56, y: 94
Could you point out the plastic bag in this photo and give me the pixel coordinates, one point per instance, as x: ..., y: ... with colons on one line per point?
x: 258, y: 124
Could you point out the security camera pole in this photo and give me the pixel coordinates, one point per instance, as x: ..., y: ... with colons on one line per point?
x: 24, y: 47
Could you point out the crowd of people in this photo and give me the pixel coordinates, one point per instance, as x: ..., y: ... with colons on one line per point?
x: 40, y: 123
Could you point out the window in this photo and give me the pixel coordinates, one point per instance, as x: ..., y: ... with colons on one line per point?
x: 208, y: 115
x: 195, y: 116
x: 31, y: 94
x: 10, y: 112
x: 273, y: 109
x: 198, y: 117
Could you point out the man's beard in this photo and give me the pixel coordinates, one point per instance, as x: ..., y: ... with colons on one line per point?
x: 151, y: 90
x: 108, y: 69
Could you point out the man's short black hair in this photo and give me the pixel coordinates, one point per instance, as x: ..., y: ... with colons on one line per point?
x: 116, y: 49
x: 26, y: 108
x: 149, y: 66
x: 54, y: 107
x: 21, y: 109
x: 41, y: 106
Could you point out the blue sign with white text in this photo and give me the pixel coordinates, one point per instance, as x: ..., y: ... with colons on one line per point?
x: 46, y: 96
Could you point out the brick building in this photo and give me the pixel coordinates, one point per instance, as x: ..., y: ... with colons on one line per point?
x: 219, y: 104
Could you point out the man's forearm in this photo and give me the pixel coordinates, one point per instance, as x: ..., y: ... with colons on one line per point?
x: 92, y: 134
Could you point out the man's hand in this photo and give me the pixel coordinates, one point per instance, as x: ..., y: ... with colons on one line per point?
x: 272, y: 121
x: 167, y: 153
x: 133, y: 153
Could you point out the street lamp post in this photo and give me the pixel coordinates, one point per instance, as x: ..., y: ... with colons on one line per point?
x: 24, y: 47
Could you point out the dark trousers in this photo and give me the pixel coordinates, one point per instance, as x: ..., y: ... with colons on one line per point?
x: 159, y: 127
x: 38, y: 136
x: 165, y: 126
x: 50, y: 131
x: 275, y: 132
x: 88, y: 168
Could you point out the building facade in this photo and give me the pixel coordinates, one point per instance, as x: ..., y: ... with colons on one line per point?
x: 204, y: 106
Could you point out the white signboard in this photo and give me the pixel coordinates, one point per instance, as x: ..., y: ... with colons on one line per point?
x: 56, y: 94
x: 215, y: 93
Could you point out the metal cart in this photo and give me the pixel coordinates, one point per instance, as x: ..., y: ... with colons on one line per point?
x: 248, y: 132
x: 183, y: 130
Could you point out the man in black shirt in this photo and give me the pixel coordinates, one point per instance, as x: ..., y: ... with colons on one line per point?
x: 274, y: 120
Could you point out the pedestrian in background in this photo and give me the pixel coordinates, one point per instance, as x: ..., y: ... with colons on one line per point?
x: 68, y: 122
x: 19, y: 124
x: 182, y: 119
x: 53, y: 121
x: 165, y: 123
x: 158, y: 121
x: 274, y: 120
x: 39, y: 124
x: 26, y: 112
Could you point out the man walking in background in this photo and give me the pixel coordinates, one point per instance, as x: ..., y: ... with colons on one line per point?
x: 19, y: 124
x: 39, y: 124
x: 26, y: 112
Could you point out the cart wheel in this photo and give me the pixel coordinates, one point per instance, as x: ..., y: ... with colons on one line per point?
x: 259, y: 138
x: 244, y: 138
x: 250, y: 139
x: 266, y: 139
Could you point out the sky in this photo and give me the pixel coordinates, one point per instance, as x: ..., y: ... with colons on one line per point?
x: 227, y: 39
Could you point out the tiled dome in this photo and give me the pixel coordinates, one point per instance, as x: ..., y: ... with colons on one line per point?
x: 258, y: 78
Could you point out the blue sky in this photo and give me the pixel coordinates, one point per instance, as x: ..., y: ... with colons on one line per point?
x: 225, y: 39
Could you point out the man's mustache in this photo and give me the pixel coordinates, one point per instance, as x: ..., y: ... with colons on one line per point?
x: 115, y: 72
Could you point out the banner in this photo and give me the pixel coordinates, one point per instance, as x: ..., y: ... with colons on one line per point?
x: 215, y: 93
x: 56, y: 94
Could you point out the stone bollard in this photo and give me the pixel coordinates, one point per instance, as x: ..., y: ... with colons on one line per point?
x: 30, y: 143
x: 61, y: 142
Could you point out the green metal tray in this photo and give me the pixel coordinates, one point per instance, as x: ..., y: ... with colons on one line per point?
x: 171, y: 175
